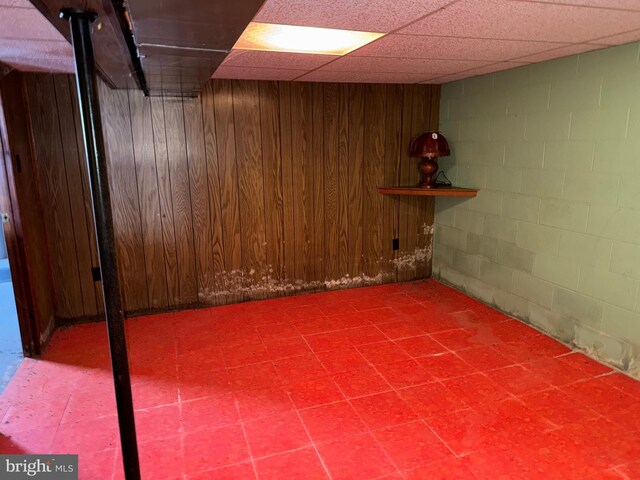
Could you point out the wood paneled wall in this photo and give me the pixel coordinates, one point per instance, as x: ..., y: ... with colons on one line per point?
x: 253, y: 189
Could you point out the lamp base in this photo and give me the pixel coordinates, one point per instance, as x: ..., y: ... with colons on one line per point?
x: 428, y: 168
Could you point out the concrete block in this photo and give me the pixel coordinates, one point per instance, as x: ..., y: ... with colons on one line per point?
x: 478, y: 85
x: 533, y: 289
x: 505, y: 179
x: 488, y: 153
x: 524, y: 154
x: 469, y: 220
x: 465, y: 263
x: 442, y: 255
x: 585, y: 310
x: 602, y: 124
x: 603, y: 346
x: 617, y: 223
x: 594, y: 188
x: 512, y: 256
x: 565, y: 215
x: 566, y: 155
x: 558, y: 271
x: 621, y: 323
x: 557, y: 325
x: 489, y: 103
x: 452, y: 237
x: 609, y: 287
x: 445, y: 108
x: 445, y: 214
x: 529, y: 99
x: 578, y: 93
x: 538, y: 238
x: 480, y: 290
x: 629, y: 191
x: 450, y: 129
x: 474, y: 129
x: 585, y: 249
x: 452, y: 89
x: 459, y: 108
x: 609, y: 61
x: 486, y: 247
x: 554, y: 70
x: 621, y: 88
x: 497, y: 275
x: 452, y: 276
x: 512, y: 79
x: 507, y: 128
x: 542, y: 183
x: 487, y: 201
x: 633, y: 126
x: 472, y: 176
x: 614, y: 156
x: 547, y: 126
x: 521, y: 207
x: 461, y: 152
x: 511, y: 304
x: 625, y: 259
x: 501, y: 228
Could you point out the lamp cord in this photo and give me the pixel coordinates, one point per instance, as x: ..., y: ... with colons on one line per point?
x: 445, y: 183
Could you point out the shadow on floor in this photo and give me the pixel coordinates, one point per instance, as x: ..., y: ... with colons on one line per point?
x: 10, y: 344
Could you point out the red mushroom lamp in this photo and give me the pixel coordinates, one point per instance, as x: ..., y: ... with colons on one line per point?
x: 429, y: 146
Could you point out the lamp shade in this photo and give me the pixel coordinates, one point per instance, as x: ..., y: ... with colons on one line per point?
x: 429, y: 144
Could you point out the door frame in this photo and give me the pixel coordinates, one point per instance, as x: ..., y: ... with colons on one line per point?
x: 25, y: 305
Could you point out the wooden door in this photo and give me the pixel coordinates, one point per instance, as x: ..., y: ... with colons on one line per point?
x: 12, y: 227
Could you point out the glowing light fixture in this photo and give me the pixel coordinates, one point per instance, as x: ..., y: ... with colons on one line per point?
x: 289, y: 38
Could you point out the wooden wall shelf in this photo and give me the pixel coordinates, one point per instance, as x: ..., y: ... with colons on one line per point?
x: 429, y: 192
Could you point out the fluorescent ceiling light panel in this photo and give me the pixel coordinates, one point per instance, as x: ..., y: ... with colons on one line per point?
x: 289, y: 38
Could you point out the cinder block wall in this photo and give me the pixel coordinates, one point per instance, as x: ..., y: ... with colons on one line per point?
x: 554, y: 235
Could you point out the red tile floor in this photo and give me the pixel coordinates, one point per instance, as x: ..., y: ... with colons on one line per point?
x: 413, y: 381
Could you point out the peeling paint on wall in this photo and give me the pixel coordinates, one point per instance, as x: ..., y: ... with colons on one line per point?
x: 251, y: 285
x: 248, y: 285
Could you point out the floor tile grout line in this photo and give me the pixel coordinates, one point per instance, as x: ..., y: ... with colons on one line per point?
x: 564, y: 388
x: 315, y: 448
x: 246, y: 440
x: 359, y: 416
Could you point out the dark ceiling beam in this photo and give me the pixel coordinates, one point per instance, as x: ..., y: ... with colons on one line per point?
x: 115, y: 52
x: 182, y: 42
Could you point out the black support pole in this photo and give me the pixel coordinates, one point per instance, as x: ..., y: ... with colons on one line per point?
x: 80, y: 22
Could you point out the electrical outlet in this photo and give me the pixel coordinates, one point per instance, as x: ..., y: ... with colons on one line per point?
x: 96, y: 274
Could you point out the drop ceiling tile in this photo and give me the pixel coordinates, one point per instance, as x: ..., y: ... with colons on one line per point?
x: 291, y: 61
x: 16, y: 3
x: 370, y: 16
x: 362, y: 77
x: 26, y: 23
x: 352, y: 63
x: 448, y: 78
x: 449, y: 48
x: 28, y: 42
x: 558, y: 52
x: 627, y: 37
x: 257, y: 73
x: 623, y: 4
x: 508, y: 20
x: 37, y: 56
x: 495, y: 67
